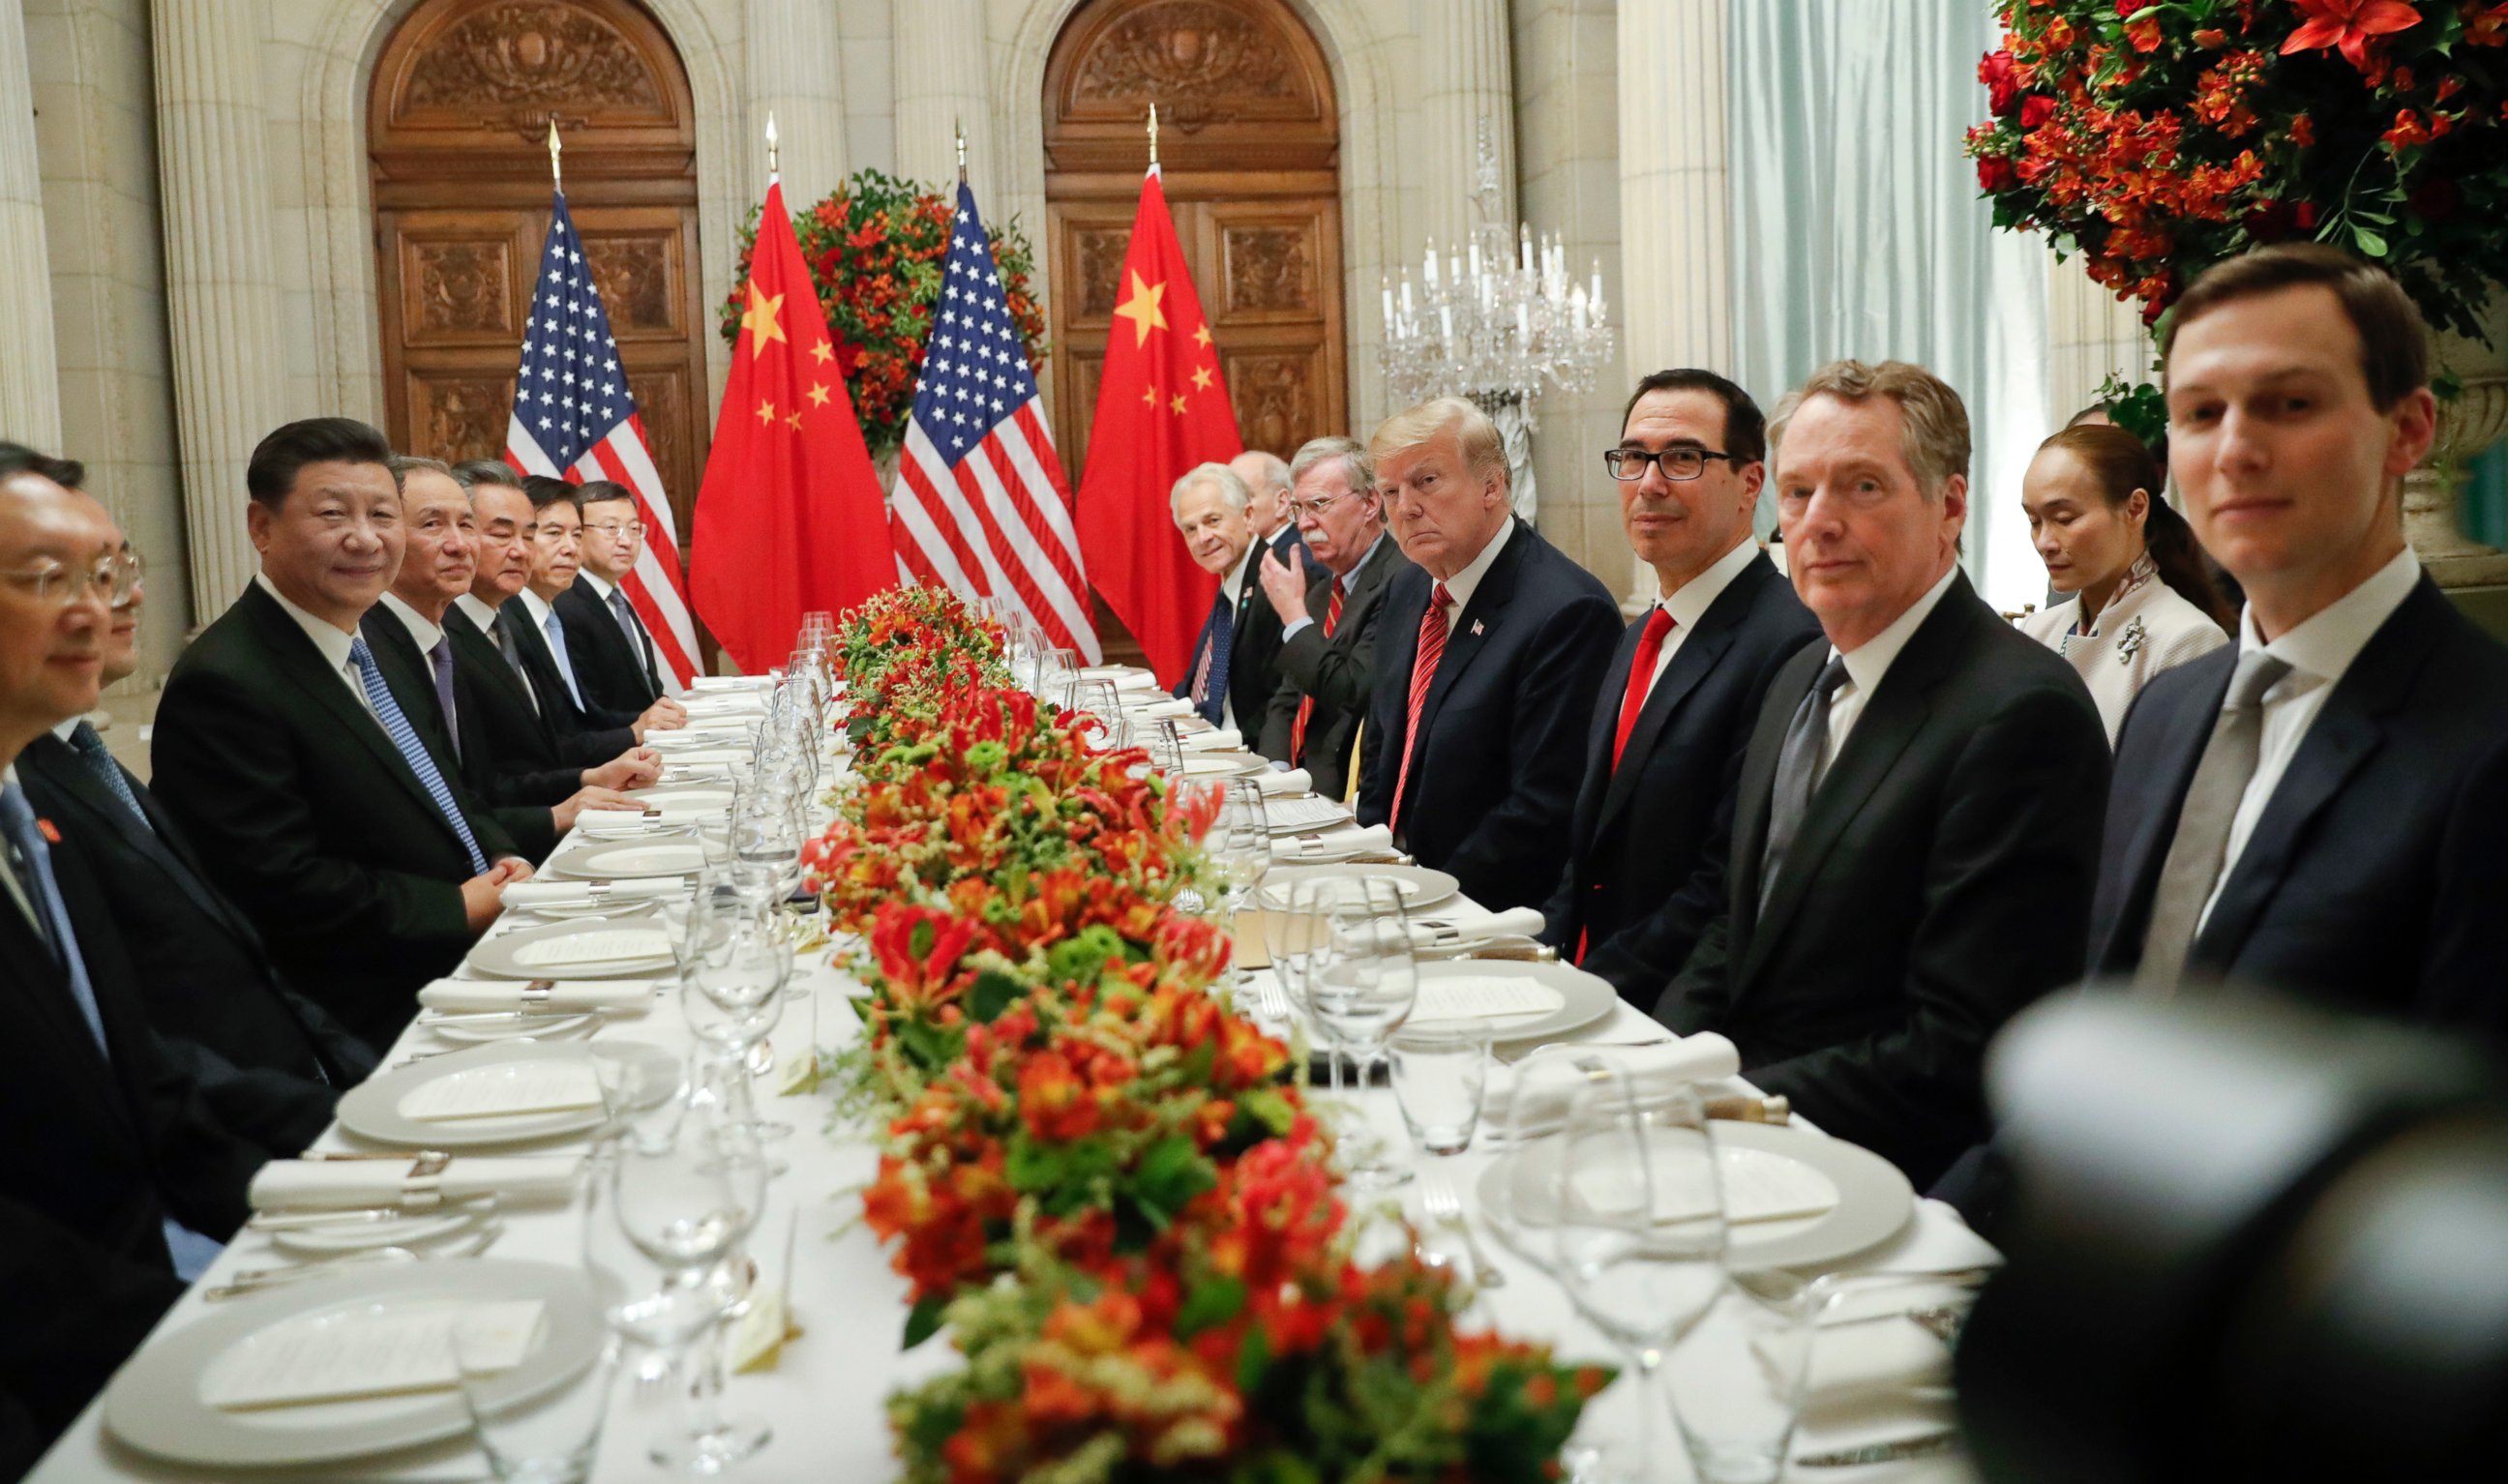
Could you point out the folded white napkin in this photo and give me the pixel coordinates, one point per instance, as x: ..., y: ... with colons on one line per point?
x: 1458, y: 924
x: 740, y: 758
x: 339, y: 1184
x: 1335, y: 845
x: 1155, y: 711
x: 1217, y: 739
x: 710, y: 739
x: 1868, y: 1359
x: 463, y: 997
x: 719, y: 684
x: 574, y: 893
x: 1292, y: 781
x: 726, y: 703
x: 597, y: 821
x: 1653, y: 1071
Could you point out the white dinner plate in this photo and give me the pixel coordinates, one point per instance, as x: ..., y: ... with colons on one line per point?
x: 371, y: 1110
x: 1127, y: 677
x: 686, y: 796
x: 155, y: 1404
x: 1222, y: 765
x: 629, y: 860
x: 1584, y: 1000
x: 1419, y: 885
x: 508, y: 955
x: 1875, y: 1200
x: 414, y: 1229
x: 534, y: 1027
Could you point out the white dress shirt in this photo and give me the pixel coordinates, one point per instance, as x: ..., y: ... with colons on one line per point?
x: 423, y: 628
x: 1873, y: 659
x: 480, y: 613
x: 537, y: 610
x: 1463, y: 584
x: 1689, y: 602
x: 334, y: 642
x: 2319, y: 651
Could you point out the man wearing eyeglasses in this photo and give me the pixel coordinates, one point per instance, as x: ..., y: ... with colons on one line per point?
x: 1328, y: 607
x: 613, y: 654
x: 1654, y: 818
x: 544, y: 642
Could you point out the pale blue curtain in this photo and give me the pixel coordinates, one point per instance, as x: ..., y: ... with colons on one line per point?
x: 1857, y: 232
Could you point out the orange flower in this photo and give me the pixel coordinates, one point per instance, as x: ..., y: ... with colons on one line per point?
x: 2348, y: 27
x: 1054, y: 1103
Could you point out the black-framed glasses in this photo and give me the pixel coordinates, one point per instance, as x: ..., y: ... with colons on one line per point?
x: 614, y: 529
x: 1681, y: 461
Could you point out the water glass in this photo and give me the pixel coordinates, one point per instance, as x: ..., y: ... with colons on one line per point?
x: 1361, y: 982
x: 642, y: 1097
x: 549, y: 1438
x: 1437, y: 1078
x: 1057, y: 670
x: 1737, y: 1377
x: 1097, y: 699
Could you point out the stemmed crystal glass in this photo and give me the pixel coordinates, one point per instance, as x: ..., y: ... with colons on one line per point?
x: 734, y: 963
x: 1361, y: 982
x: 1096, y: 699
x: 1239, y: 844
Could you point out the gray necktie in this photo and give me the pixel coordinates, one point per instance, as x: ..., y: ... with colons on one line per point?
x: 514, y: 660
x: 93, y: 751
x: 1798, y: 768
x: 2194, y: 865
x: 625, y: 612
x: 440, y: 661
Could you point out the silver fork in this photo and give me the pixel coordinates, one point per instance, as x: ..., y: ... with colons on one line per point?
x: 1438, y: 1199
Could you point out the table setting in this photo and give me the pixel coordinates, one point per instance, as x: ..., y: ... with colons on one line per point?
x: 624, y: 1201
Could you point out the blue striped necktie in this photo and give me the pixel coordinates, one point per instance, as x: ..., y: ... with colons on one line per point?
x: 413, y: 751
x: 91, y: 748
x: 556, y: 633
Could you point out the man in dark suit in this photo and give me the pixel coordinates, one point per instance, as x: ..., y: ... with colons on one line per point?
x: 1654, y: 820
x: 283, y: 752
x: 1493, y: 649
x: 2317, y: 808
x: 537, y: 636
x: 1916, y: 830
x: 1234, y: 663
x: 116, y: 1184
x: 613, y: 654
x: 1328, y: 594
x: 409, y: 634
x: 268, y: 1061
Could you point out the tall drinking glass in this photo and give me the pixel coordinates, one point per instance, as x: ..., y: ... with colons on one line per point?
x: 1361, y: 983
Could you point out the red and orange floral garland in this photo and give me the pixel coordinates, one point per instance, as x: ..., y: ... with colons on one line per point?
x: 1104, y: 1181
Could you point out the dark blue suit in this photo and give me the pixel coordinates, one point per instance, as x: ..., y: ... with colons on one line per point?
x: 1647, y: 852
x: 1500, y: 749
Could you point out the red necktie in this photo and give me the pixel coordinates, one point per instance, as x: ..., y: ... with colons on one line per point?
x: 1307, y: 703
x: 1640, y: 678
x: 1423, y: 670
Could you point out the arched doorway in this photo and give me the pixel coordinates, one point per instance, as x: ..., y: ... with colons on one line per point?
x: 456, y: 132
x: 1249, y: 142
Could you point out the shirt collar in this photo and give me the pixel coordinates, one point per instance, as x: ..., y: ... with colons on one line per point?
x: 601, y: 585
x: 1236, y: 583
x: 534, y: 605
x: 477, y: 608
x: 67, y: 728
x: 1364, y: 558
x: 334, y: 642
x: 1689, y: 602
x: 1871, y: 659
x: 2326, y: 643
x: 428, y: 633
x: 1463, y: 584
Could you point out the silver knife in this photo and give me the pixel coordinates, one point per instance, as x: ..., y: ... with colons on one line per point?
x: 1922, y: 1446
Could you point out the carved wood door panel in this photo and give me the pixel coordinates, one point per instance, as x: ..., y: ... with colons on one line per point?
x: 1249, y: 148
x: 458, y: 123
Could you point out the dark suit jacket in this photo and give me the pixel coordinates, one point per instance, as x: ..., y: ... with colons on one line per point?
x: 1253, y: 653
x: 1339, y: 672
x: 413, y: 684
x: 1939, y: 881
x: 2375, y: 876
x: 615, y: 675
x: 548, y: 683
x: 203, y: 978
x: 1501, y: 746
x: 519, y: 751
x: 1648, y: 848
x: 98, y: 1153
x: 303, y: 810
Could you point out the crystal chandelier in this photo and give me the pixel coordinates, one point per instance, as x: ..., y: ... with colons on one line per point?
x: 1496, y: 321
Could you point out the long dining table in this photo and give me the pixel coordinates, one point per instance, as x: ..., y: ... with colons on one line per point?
x: 825, y: 1391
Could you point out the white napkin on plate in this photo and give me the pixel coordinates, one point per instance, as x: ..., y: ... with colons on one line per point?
x: 1158, y: 711
x: 1706, y: 1057
x: 1337, y: 844
x: 1216, y: 739
x: 603, y: 822
x: 1291, y: 780
x: 1872, y: 1360
x: 574, y: 893
x: 342, y: 1184
x: 461, y: 997
x: 721, y: 684
x: 1458, y: 924
x: 711, y: 739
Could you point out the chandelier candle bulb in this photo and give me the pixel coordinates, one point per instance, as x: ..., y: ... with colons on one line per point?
x: 1429, y: 276
x: 1388, y: 305
x: 1446, y: 320
x: 1576, y: 310
x: 1523, y: 323
x: 1594, y: 301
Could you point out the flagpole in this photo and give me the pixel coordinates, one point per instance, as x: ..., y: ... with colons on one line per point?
x: 1153, y: 136
x: 772, y: 172
x: 961, y: 126
x: 557, y: 174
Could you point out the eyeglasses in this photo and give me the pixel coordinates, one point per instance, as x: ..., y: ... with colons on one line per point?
x: 1679, y: 462
x: 1317, y: 507
x: 113, y: 580
x: 614, y: 530
x: 130, y: 578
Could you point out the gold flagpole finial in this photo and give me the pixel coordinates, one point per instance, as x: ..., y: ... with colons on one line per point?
x: 772, y: 169
x: 1153, y: 136
x: 557, y: 173
x: 961, y: 126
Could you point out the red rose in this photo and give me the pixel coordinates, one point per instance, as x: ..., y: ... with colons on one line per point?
x: 1996, y: 174
x: 2001, y: 75
x: 2036, y: 109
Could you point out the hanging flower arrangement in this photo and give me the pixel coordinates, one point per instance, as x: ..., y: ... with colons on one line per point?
x: 2157, y: 140
x: 876, y: 247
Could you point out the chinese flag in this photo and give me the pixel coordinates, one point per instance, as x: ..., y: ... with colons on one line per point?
x: 790, y: 517
x: 1162, y: 408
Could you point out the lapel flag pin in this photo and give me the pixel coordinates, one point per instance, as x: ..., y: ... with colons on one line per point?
x: 1476, y: 627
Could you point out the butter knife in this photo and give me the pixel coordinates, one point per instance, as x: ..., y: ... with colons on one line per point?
x: 1922, y: 1446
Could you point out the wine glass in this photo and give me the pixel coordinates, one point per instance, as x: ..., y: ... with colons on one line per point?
x: 1096, y: 699
x: 1239, y: 844
x: 732, y: 983
x: 1361, y: 984
x: 1057, y: 670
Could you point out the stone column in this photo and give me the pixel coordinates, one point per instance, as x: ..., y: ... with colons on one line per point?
x: 221, y: 275
x: 1468, y: 56
x: 939, y: 51
x: 1675, y: 271
x: 30, y: 392
x: 797, y: 73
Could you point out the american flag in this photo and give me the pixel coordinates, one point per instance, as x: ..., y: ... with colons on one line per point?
x: 574, y: 419
x: 980, y: 504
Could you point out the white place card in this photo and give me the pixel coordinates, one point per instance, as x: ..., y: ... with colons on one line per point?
x: 505, y: 1088
x: 606, y: 945
x: 1467, y: 999
x: 1763, y: 1187
x: 378, y: 1353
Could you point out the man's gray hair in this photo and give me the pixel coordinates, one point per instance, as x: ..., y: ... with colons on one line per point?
x: 403, y: 465
x: 1275, y: 475
x: 1355, y: 465
x: 1230, y: 488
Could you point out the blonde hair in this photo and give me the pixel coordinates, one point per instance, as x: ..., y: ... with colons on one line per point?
x: 1933, y: 421
x: 1484, y: 450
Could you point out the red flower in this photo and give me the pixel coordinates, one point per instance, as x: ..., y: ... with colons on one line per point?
x: 2036, y: 109
x: 2349, y: 26
x: 2001, y: 75
x: 1996, y: 174
x: 2410, y: 130
x: 1054, y: 1102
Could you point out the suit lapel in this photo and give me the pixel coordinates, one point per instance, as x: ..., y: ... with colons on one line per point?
x: 1599, y: 776
x: 304, y: 666
x: 1469, y: 634
x: 2176, y: 750
x: 43, y: 986
x: 532, y: 646
x: 1757, y: 783
x: 1690, y: 664
x: 71, y: 774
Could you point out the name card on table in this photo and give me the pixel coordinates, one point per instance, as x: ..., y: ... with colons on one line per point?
x: 334, y: 1357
